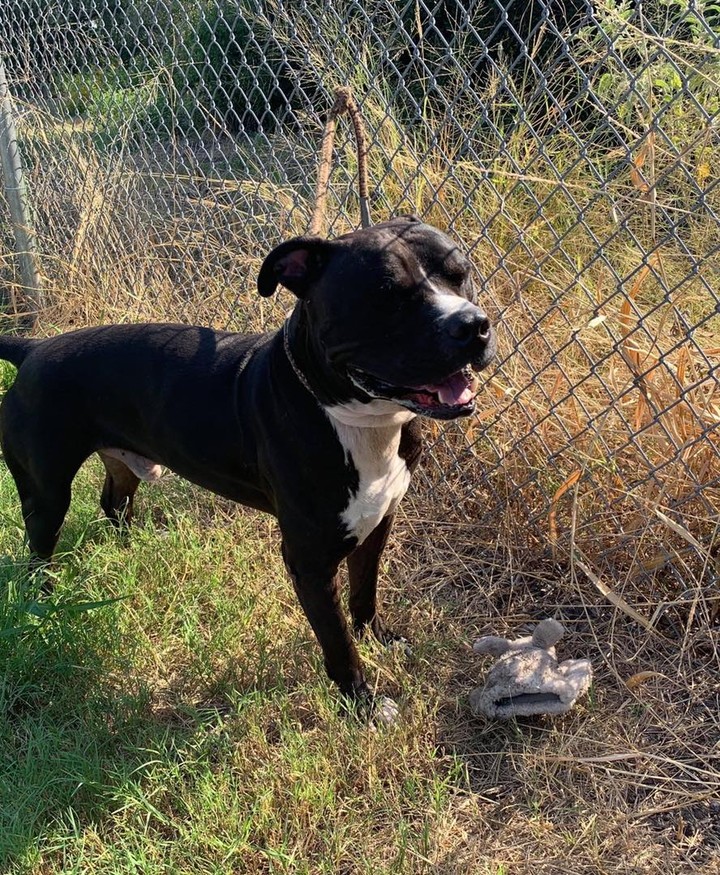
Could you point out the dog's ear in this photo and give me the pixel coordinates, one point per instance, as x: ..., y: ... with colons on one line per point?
x: 295, y: 264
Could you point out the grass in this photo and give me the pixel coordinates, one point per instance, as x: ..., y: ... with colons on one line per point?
x: 167, y: 710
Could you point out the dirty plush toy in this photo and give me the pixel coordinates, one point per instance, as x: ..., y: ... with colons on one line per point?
x: 527, y: 678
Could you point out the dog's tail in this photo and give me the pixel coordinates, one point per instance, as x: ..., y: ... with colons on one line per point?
x: 15, y: 349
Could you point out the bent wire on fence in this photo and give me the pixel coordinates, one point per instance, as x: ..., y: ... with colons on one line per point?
x: 344, y: 102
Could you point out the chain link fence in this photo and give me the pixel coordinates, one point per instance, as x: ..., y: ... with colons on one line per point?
x: 572, y: 147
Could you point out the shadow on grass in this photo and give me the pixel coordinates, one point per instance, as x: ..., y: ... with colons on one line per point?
x: 75, y: 744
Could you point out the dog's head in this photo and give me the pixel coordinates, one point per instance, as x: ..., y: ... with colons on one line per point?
x: 394, y: 308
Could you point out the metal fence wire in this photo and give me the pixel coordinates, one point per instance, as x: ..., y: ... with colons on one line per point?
x: 572, y: 147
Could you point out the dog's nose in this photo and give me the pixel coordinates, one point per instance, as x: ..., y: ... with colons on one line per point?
x: 468, y: 325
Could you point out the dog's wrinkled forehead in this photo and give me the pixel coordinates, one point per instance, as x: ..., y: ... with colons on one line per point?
x: 404, y: 256
x: 411, y: 252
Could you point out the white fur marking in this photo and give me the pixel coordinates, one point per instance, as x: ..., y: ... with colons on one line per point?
x: 380, y: 413
x: 370, y: 436
x: 448, y: 305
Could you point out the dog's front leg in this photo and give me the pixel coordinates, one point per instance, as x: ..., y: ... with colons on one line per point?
x: 364, y: 562
x: 319, y: 597
x: 363, y: 568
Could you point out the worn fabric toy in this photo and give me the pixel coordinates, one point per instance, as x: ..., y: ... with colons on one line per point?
x: 527, y: 678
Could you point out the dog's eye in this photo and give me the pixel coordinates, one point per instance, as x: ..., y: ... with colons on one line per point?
x: 459, y: 276
x: 456, y: 269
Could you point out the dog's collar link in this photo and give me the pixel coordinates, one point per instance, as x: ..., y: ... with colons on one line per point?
x: 293, y: 364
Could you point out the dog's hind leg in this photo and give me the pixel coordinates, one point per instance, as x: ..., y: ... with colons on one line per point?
x: 43, y: 460
x: 44, y: 505
x: 118, y: 490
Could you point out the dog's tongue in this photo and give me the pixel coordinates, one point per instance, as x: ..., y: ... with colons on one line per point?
x: 453, y: 391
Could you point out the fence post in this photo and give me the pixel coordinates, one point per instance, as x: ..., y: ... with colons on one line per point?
x: 16, y: 194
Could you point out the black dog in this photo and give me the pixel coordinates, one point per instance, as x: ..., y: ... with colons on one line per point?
x: 315, y: 423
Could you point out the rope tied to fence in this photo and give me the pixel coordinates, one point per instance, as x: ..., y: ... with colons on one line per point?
x: 344, y: 103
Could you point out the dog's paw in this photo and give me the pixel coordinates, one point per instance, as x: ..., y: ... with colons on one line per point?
x: 41, y: 576
x: 385, y: 713
x: 376, y: 712
x: 398, y: 644
x: 392, y: 641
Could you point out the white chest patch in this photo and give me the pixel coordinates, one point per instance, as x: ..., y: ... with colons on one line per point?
x: 371, y: 439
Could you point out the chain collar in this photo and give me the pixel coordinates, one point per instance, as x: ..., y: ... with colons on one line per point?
x: 293, y: 364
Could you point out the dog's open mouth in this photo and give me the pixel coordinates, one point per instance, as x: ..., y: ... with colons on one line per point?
x: 447, y: 399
